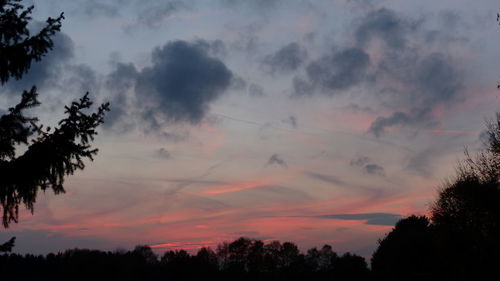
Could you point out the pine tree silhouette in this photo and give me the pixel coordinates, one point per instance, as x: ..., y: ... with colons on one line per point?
x: 51, y: 154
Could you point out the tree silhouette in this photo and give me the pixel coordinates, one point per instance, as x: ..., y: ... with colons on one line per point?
x: 405, y: 253
x: 466, y: 214
x: 462, y: 239
x: 350, y: 267
x: 51, y: 154
x: 7, y: 246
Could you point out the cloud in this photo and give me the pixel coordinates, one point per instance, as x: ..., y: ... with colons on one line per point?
x: 429, y: 82
x: 368, y: 166
x: 370, y: 218
x: 81, y: 79
x: 275, y: 159
x: 181, y: 83
x: 406, y: 73
x: 238, y: 83
x: 360, y: 161
x: 375, y: 192
x: 56, y: 75
x: 154, y: 15
x: 118, y: 83
x: 333, y: 72
x: 374, y: 169
x: 163, y: 153
x: 292, y: 120
x: 247, y: 40
x: 387, y: 57
x: 386, y: 25
x: 215, y: 48
x: 326, y: 178
x: 98, y: 8
x: 285, y: 60
x: 256, y: 4
x: 397, y: 118
x: 150, y: 14
x: 256, y: 90
x: 179, y: 86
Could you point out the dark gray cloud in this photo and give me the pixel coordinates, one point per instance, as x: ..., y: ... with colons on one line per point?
x: 427, y: 79
x: 429, y: 82
x: 58, y: 73
x: 409, y: 81
x: 371, y: 218
x: 437, y: 79
x: 374, y: 169
x: 397, y: 118
x: 179, y: 86
x: 181, y: 83
x: 122, y: 78
x: 81, y: 79
x: 386, y: 25
x: 333, y: 72
x: 368, y: 166
x: 276, y: 159
x: 118, y: 83
x: 285, y: 60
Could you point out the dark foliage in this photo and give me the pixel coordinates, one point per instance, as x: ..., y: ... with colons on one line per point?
x: 51, y: 154
x: 406, y: 251
x: 18, y: 48
x: 242, y: 259
x: 466, y: 214
x: 7, y: 246
x: 461, y: 241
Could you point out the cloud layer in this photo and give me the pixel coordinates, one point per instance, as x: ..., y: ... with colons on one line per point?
x: 370, y: 218
x: 388, y: 59
x: 179, y: 86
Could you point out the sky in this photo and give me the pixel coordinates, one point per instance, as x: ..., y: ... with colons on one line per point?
x: 317, y: 122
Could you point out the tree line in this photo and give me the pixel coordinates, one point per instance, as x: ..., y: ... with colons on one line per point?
x: 242, y: 259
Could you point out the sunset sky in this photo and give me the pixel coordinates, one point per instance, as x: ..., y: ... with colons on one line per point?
x: 317, y: 122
